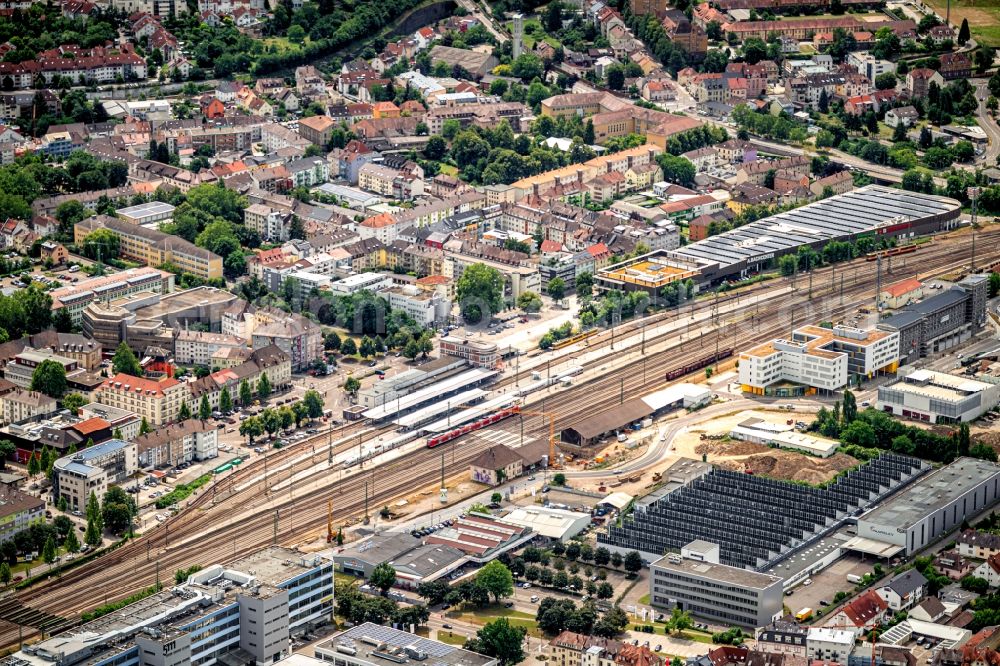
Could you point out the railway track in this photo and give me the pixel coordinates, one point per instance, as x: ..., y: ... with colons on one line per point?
x: 245, y: 519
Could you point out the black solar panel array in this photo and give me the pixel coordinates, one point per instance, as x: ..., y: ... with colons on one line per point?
x: 753, y: 518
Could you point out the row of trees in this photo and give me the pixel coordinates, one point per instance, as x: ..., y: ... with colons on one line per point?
x: 271, y: 420
x: 866, y: 432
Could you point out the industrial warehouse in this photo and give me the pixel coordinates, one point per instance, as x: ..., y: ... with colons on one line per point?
x: 873, y: 211
x: 702, y: 509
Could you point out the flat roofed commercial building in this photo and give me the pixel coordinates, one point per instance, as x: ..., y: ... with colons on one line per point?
x: 372, y: 644
x: 243, y: 612
x: 650, y: 273
x: 147, y: 213
x: 695, y: 582
x: 817, y: 358
x: 935, y: 504
x: 93, y: 470
x: 872, y: 211
x: 940, y: 322
x: 937, y: 397
x: 109, y: 287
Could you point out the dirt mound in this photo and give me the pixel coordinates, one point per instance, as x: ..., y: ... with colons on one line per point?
x: 791, y: 466
x: 730, y: 448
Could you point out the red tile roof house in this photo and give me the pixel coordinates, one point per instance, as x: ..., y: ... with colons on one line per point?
x: 863, y: 612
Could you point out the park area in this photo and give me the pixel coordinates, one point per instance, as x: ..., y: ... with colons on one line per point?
x: 983, y: 16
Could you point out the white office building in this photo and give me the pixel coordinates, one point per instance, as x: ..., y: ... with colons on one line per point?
x: 817, y: 358
x: 937, y: 397
x: 361, y: 282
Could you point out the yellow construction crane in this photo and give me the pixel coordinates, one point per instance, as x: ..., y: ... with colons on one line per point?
x: 552, y: 434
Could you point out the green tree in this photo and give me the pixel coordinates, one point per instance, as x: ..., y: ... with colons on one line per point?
x: 49, y: 378
x: 246, y: 393
x: 7, y: 449
x: 527, y: 66
x: 412, y: 349
x: 679, y: 621
x: 963, y: 32
x: 480, y: 292
x: 263, y: 387
x: 994, y: 284
x: 5, y: 575
x: 496, y: 579
x: 125, y: 362
x: 251, y: 428
x: 383, y: 577
x: 348, y: 347
x: 34, y: 466
x: 436, y: 148
x: 185, y: 412
x: 225, y: 400
x: 559, y: 479
x: 850, y: 407
x: 93, y: 536
x: 584, y: 284
x: 72, y: 542
x: 49, y: 551
x: 616, y: 77
x: 367, y: 348
x: 144, y: 426
x: 352, y: 385
x: 529, y: 301
x: 633, y: 562
x: 101, y: 245
x: 73, y: 402
x: 117, y: 510
x: 500, y: 639
x: 204, y: 409
x: 314, y: 403
x: 556, y: 289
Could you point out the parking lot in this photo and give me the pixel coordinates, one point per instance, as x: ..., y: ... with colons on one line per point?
x: 825, y: 584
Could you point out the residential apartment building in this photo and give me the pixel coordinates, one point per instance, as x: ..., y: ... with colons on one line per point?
x: 153, y: 247
x: 270, y: 223
x: 18, y: 512
x: 18, y: 405
x: 177, y: 443
x: 817, y: 358
x: 158, y: 401
x: 829, y: 645
x: 572, y: 649
x: 980, y: 545
x: 198, y: 347
x: 300, y: 338
x: 425, y: 307
x: 93, y: 470
x: 317, y: 129
x: 271, y: 361
x: 783, y: 637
